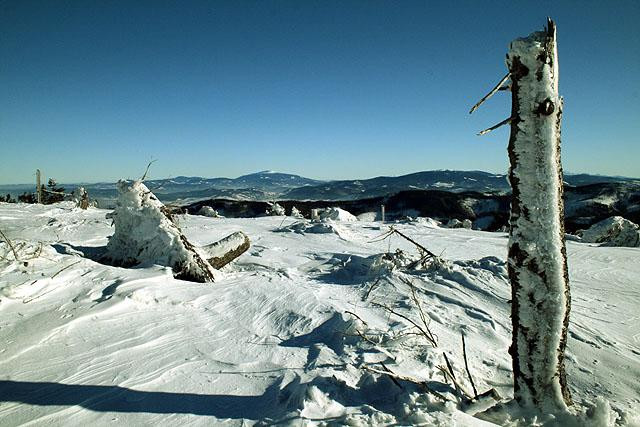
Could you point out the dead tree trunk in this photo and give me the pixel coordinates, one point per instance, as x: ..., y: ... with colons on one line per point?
x: 537, y: 255
x: 38, y: 187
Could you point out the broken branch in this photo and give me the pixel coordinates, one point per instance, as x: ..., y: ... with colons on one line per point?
x: 494, y: 127
x: 422, y: 248
x: 466, y: 365
x: 491, y: 93
x: 6, y: 239
x: 147, y: 170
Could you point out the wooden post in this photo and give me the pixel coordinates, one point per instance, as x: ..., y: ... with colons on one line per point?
x: 382, y: 213
x: 537, y: 264
x: 38, y: 187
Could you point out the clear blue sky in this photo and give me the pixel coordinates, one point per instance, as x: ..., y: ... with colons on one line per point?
x: 92, y: 90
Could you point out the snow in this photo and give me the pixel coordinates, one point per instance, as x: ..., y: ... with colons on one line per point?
x: 443, y: 184
x: 208, y: 211
x: 85, y: 343
x: 614, y: 231
x: 296, y: 213
x: 275, y: 209
x: 335, y: 214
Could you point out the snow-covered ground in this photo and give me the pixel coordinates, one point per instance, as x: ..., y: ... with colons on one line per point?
x: 271, y: 341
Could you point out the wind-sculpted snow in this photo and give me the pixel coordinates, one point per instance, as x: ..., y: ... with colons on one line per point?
x: 272, y: 341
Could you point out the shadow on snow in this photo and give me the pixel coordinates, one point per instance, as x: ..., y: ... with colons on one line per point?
x: 103, y: 398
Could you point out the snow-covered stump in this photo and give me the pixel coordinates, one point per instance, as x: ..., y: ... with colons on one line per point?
x: 537, y: 255
x: 145, y: 233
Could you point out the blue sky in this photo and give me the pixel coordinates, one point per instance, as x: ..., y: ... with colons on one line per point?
x: 92, y: 90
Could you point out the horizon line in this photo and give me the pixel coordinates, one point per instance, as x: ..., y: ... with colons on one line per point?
x: 316, y: 179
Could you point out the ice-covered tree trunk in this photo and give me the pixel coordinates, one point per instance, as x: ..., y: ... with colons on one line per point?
x: 537, y: 254
x: 146, y: 233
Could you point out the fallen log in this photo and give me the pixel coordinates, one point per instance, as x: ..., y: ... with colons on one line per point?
x: 226, y: 250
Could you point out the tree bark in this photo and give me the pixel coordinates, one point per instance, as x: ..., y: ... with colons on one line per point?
x: 537, y: 263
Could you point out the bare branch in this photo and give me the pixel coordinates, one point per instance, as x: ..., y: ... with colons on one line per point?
x: 147, y: 170
x: 6, y: 239
x: 371, y: 288
x: 424, y: 332
x: 491, y: 93
x: 422, y: 248
x: 466, y: 365
x: 422, y: 384
x: 63, y: 269
x: 360, y: 334
x: 381, y: 236
x: 494, y: 127
x: 461, y: 391
x: 395, y: 381
x: 426, y: 320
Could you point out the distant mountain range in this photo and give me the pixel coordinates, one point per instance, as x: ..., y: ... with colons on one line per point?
x: 267, y: 185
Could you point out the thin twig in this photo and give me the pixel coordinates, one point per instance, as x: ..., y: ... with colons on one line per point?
x: 395, y: 381
x: 360, y: 334
x: 6, y: 239
x: 425, y: 250
x: 466, y: 365
x: 421, y: 384
x: 381, y: 237
x: 463, y: 393
x: 425, y: 333
x: 425, y: 319
x: 490, y: 94
x: 63, y: 269
x: 147, y: 170
x: 373, y: 285
x: 494, y: 127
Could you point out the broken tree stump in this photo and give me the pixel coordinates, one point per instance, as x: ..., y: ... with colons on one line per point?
x: 145, y: 233
x: 537, y: 262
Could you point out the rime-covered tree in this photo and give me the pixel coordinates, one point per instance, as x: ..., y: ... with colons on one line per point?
x: 537, y: 264
x: 537, y: 255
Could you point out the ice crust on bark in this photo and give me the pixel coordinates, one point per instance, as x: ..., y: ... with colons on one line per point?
x: 537, y: 255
